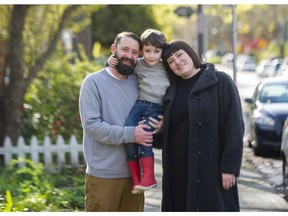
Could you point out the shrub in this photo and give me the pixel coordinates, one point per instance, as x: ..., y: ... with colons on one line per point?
x: 31, y: 188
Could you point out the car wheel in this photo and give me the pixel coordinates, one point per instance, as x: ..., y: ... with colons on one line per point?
x: 285, y: 179
x: 258, y: 151
x: 249, y: 142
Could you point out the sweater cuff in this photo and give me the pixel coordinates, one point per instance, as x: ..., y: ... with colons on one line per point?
x: 130, y: 137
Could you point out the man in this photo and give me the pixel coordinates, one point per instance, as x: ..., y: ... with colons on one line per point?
x: 106, y: 98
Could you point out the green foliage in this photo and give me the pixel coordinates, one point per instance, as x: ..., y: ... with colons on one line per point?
x: 165, y: 17
x: 253, y: 23
x: 51, y: 104
x: 215, y: 59
x: 6, y: 207
x: 113, y: 19
x: 4, y: 21
x: 31, y: 188
x: 272, y: 51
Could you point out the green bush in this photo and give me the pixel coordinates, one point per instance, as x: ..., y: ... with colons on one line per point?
x: 51, y: 103
x: 30, y: 188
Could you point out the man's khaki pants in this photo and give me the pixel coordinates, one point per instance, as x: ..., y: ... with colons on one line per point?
x: 108, y: 195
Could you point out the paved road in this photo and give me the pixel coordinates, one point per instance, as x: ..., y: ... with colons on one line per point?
x: 246, y: 81
x: 153, y: 197
x: 255, y: 194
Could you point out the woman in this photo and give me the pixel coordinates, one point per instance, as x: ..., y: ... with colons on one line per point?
x: 202, y: 134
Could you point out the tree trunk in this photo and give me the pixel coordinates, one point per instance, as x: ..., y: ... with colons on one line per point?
x: 2, y: 80
x: 13, y: 92
x: 11, y: 101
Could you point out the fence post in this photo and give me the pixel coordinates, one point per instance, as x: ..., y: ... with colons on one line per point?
x: 73, y: 145
x: 8, y: 150
x: 34, y: 149
x: 47, y: 151
x: 60, y: 143
x: 21, y: 150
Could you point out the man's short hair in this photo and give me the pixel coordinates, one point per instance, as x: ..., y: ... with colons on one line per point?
x: 126, y: 34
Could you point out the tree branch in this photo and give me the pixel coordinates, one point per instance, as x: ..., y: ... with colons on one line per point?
x: 51, y: 48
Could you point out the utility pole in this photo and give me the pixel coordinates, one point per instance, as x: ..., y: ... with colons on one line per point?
x: 200, y: 31
x: 187, y: 12
x: 234, y: 38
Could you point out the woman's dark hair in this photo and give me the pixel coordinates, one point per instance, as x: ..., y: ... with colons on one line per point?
x: 171, y: 48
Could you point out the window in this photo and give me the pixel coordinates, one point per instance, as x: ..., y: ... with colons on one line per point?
x: 274, y: 93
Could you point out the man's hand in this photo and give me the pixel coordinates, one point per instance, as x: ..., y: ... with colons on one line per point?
x: 143, y: 137
x: 228, y: 180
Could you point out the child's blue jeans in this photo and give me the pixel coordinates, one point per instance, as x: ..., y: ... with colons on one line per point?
x: 141, y: 109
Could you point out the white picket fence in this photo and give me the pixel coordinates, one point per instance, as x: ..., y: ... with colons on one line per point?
x: 51, y: 155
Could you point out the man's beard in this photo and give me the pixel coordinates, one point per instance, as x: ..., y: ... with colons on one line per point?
x: 124, y: 69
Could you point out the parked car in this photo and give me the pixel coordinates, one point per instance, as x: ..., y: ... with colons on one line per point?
x: 267, y: 111
x: 227, y: 59
x: 213, y: 56
x: 263, y: 67
x: 283, y: 73
x: 268, y: 68
x: 247, y: 65
x: 283, y: 70
x: 284, y: 155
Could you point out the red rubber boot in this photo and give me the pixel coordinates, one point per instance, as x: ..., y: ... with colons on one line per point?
x: 134, y: 167
x: 148, y: 181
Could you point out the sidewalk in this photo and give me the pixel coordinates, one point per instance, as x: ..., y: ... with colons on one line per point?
x: 153, y: 196
x: 255, y: 194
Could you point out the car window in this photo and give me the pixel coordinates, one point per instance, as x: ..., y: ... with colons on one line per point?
x: 274, y: 93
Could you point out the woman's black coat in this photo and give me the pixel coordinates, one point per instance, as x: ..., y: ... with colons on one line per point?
x: 215, y: 142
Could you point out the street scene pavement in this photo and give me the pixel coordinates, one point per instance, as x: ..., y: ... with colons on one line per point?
x: 256, y: 194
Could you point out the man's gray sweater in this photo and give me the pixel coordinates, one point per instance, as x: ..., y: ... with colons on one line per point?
x: 104, y: 105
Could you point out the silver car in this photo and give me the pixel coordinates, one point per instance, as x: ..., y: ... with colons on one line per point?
x: 284, y: 154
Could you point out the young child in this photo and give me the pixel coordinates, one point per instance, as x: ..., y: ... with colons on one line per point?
x: 153, y: 82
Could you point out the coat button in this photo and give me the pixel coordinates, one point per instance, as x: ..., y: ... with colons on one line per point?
x: 199, y: 123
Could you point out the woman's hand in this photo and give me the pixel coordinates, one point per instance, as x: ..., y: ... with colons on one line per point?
x: 228, y: 180
x: 157, y: 124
